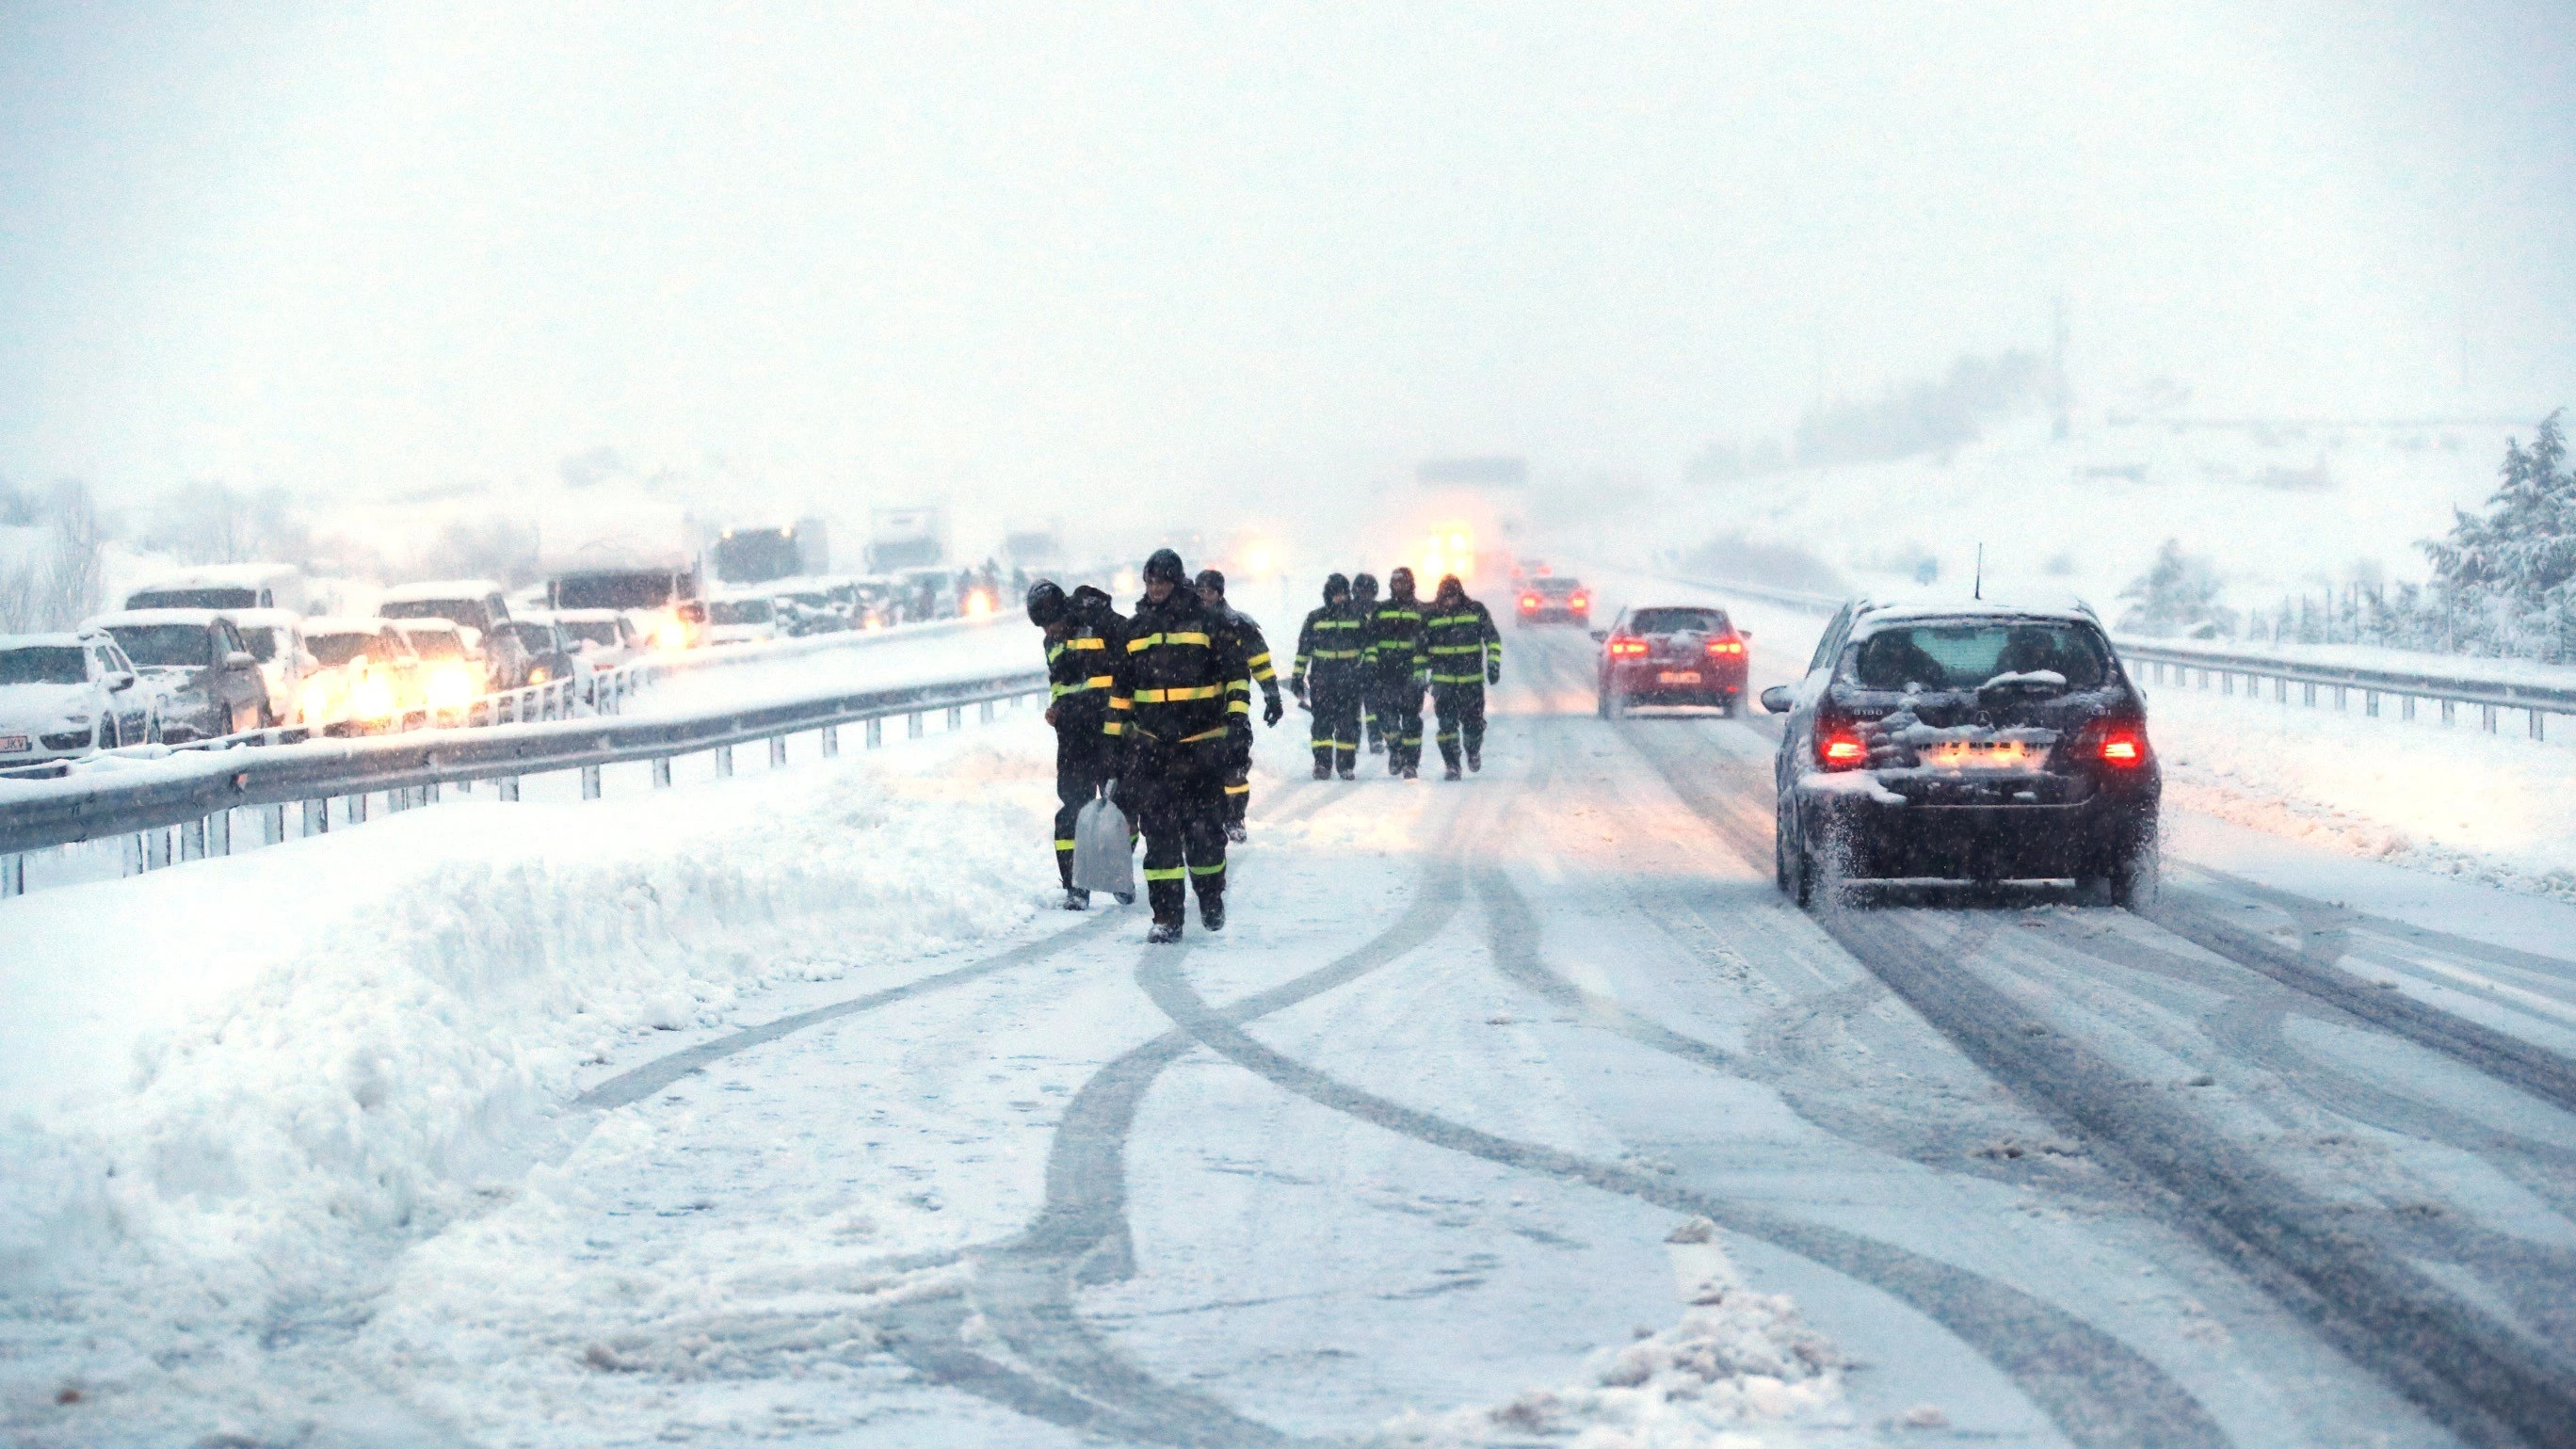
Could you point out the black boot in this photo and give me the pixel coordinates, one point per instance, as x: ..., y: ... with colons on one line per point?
x: 1476, y: 755
x: 1323, y: 769
x: 1234, y: 831
x: 1165, y: 933
x: 1212, y: 912
x: 1350, y: 771
x: 1452, y: 772
x: 1076, y: 899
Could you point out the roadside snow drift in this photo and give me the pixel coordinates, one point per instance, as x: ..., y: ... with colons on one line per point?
x: 229, y: 1093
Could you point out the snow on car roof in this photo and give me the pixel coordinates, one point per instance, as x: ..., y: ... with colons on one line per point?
x: 581, y: 616
x: 423, y: 626
x: 241, y: 575
x: 441, y: 589
x: 264, y: 618
x: 2040, y: 604
x: 342, y: 624
x: 42, y: 641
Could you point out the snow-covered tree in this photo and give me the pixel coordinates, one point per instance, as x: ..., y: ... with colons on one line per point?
x: 2178, y: 595
x: 2511, y: 573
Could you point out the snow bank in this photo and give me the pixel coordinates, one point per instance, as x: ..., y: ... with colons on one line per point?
x: 229, y: 1093
x: 1740, y: 1368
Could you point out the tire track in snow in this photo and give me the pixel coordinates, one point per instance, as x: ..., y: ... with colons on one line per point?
x: 2476, y: 1376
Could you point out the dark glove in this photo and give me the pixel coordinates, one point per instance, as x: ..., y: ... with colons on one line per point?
x: 1271, y: 712
x: 1297, y: 687
x: 1493, y: 674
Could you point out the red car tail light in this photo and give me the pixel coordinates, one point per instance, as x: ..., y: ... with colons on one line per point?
x: 2118, y: 743
x: 1529, y: 601
x: 1578, y: 602
x: 1730, y: 648
x: 1627, y: 648
x: 1838, y: 742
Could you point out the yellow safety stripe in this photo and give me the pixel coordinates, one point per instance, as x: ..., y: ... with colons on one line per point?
x: 1139, y: 646
x: 1097, y: 681
x: 1398, y: 614
x: 1216, y: 869
x: 1240, y: 706
x: 1238, y: 686
x: 1456, y: 678
x: 1456, y: 648
x: 1215, y: 734
x: 1086, y: 644
x: 1114, y: 727
x: 1449, y: 619
x: 1174, y: 696
x: 1238, y: 789
x: 1257, y: 660
x: 1054, y: 652
x: 1064, y: 845
x: 1120, y: 701
x: 1155, y: 873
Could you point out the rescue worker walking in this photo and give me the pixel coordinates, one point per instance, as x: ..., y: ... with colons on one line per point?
x: 1082, y: 635
x: 1466, y: 654
x: 1364, y: 603
x: 1397, y: 673
x: 1256, y: 657
x: 1327, y: 679
x: 1171, y: 707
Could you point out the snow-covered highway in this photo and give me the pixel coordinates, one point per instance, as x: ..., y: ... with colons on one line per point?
x: 1500, y: 1111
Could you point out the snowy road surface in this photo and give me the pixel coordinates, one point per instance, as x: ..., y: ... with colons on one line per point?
x: 1501, y: 1111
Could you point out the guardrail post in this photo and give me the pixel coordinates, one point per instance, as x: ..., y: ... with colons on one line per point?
x: 2281, y: 689
x: 508, y: 787
x: 777, y: 752
x: 876, y: 733
x: 2308, y: 693
x: 192, y: 840
x: 134, y: 855
x: 724, y: 762
x: 956, y: 718
x: 429, y: 793
x: 156, y: 848
x: 2450, y: 711
x: 2538, y: 729
x: 2227, y: 683
x: 988, y: 712
x: 590, y: 782
x: 662, y: 772
x: 912, y: 725
x: 831, y: 742
x: 2406, y: 708
x: 317, y: 817
x: 2370, y: 703
x: 2487, y: 717
x: 13, y: 876
x: 2341, y: 695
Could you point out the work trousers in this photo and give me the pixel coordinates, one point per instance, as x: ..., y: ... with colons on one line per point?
x: 1396, y: 701
x: 1460, y: 710
x: 1336, y: 703
x: 1238, y: 774
x: 1179, y: 799
x: 1082, y: 763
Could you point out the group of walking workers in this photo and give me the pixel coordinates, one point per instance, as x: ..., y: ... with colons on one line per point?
x: 1363, y: 666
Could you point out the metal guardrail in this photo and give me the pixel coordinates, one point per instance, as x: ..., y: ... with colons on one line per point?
x: 2231, y: 670
x: 181, y: 807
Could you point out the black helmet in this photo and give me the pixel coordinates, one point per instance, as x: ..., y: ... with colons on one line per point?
x: 1210, y: 581
x: 1046, y: 603
x: 1399, y: 583
x: 1336, y: 588
x: 1450, y: 588
x: 1088, y: 600
x: 1166, y: 566
x: 1364, y: 588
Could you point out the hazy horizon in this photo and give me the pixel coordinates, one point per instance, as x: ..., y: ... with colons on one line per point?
x: 988, y: 258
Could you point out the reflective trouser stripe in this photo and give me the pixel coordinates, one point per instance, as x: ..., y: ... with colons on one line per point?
x: 1215, y: 734
x: 1064, y: 845
x: 1172, y: 873
x: 1244, y: 789
x: 1216, y: 869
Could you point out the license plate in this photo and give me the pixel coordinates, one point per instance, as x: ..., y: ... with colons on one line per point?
x: 2017, y: 755
x: 13, y: 744
x: 1677, y: 676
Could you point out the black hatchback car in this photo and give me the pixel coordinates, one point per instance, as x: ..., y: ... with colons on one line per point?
x: 1974, y: 741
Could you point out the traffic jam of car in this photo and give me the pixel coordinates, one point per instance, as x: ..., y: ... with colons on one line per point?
x: 207, y: 653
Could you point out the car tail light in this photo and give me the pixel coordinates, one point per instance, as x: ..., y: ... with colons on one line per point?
x: 1731, y: 648
x: 2122, y: 747
x: 1839, y: 745
x: 1529, y: 601
x: 1627, y: 648
x: 1579, y: 602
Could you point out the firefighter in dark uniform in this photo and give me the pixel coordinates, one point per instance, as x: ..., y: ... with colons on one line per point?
x: 1326, y: 679
x: 1256, y: 657
x: 1172, y: 707
x: 1081, y: 634
x: 1466, y: 654
x: 1364, y: 603
x: 1396, y: 669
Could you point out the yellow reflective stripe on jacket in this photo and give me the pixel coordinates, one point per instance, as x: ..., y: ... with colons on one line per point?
x: 1240, y: 706
x: 1139, y: 646
x: 1204, y: 735
x: 1175, y: 696
x: 1238, y: 686
x: 1119, y: 701
x: 1456, y: 648
x: 1097, y: 681
x: 1086, y: 643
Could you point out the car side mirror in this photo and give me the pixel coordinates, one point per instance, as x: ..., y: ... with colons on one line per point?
x: 1600, y: 635
x: 239, y: 659
x: 120, y: 681
x: 1745, y: 634
x: 1776, y: 699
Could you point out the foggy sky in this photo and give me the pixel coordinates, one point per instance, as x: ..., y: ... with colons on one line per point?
x: 983, y: 251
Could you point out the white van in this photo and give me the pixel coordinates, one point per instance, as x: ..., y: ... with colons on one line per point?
x: 225, y: 586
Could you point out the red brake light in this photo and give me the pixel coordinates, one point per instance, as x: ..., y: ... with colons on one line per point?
x: 1529, y: 601
x: 2124, y: 747
x: 1725, y: 646
x: 1840, y: 752
x: 1627, y: 648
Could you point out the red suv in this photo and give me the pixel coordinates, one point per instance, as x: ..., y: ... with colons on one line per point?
x: 1672, y: 654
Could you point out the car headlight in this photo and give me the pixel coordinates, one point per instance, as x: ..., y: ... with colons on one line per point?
x: 316, y: 701
x: 373, y: 698
x: 451, y: 688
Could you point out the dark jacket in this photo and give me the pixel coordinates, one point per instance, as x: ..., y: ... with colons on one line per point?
x: 1330, y: 645
x: 1461, y: 642
x: 1256, y: 655
x: 1083, y: 665
x: 1173, y: 685
x: 1394, y: 638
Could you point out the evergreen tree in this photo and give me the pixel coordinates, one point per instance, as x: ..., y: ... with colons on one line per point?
x: 2179, y: 594
x: 2512, y: 572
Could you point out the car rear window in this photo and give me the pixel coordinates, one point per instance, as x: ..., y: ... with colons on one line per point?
x: 43, y: 664
x: 165, y: 646
x: 1969, y: 653
x: 738, y: 611
x: 1555, y: 586
x: 261, y: 641
x: 467, y: 613
x: 339, y: 648
x: 1677, y: 621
